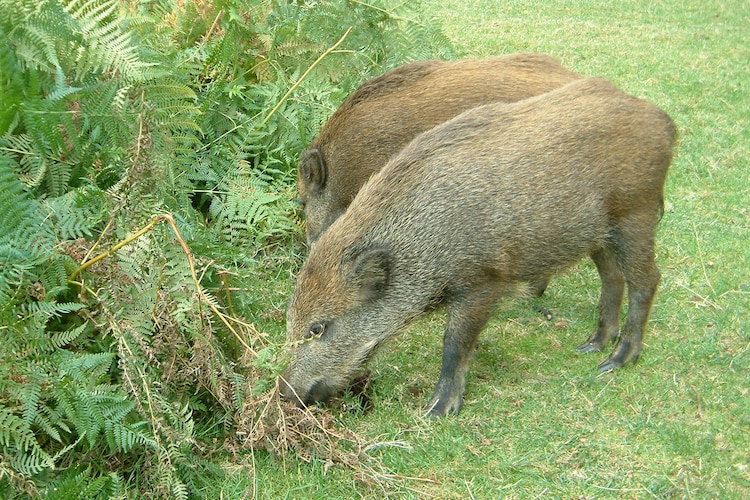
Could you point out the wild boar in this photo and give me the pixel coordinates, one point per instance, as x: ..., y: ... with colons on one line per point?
x: 385, y: 113
x: 501, y: 194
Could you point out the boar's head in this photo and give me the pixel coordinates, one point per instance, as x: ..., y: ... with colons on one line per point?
x: 337, y: 315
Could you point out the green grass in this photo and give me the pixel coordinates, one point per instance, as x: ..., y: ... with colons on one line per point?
x: 538, y: 420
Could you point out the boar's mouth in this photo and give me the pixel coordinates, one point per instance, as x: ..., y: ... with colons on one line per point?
x: 322, y: 389
x: 319, y: 392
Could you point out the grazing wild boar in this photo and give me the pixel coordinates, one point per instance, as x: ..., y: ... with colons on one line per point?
x: 385, y: 113
x: 501, y: 194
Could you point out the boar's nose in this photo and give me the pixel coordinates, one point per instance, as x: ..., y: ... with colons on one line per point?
x: 319, y: 392
x: 322, y: 390
x: 288, y: 393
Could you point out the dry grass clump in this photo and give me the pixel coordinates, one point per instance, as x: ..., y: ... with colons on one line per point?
x: 270, y: 423
x: 280, y: 427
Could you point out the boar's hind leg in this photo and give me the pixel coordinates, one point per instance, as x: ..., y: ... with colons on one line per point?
x: 636, y: 258
x: 610, y: 302
x: 468, y: 312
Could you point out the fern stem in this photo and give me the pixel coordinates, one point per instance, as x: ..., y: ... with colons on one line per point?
x: 191, y: 263
x: 304, y: 75
x: 213, y: 25
x: 227, y: 291
x: 98, y: 241
x: 115, y: 248
x: 223, y: 317
x: 144, y: 382
x: 325, y: 54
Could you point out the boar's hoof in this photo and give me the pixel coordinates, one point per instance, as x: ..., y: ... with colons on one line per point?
x: 623, y: 353
x: 609, y: 365
x: 589, y: 347
x: 538, y: 287
x: 595, y: 343
x: 440, y: 407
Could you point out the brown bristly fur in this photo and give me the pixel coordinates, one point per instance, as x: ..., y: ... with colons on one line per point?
x: 385, y: 113
x: 502, y: 194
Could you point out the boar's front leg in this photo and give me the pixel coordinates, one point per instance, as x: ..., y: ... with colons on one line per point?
x: 468, y: 312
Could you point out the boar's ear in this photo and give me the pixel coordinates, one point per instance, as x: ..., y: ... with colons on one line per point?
x: 371, y: 273
x: 312, y: 170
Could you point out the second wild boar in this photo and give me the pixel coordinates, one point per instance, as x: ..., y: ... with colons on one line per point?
x: 501, y: 194
x: 385, y: 113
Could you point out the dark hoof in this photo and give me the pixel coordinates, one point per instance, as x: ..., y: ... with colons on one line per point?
x: 589, y: 347
x: 608, y: 366
x: 613, y: 363
x: 595, y: 342
x: 440, y: 408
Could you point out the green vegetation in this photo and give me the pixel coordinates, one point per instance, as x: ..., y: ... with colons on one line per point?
x: 171, y: 128
x: 147, y: 157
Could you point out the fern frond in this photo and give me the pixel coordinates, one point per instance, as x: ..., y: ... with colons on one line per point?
x: 29, y: 397
x: 17, y: 441
x: 14, y: 431
x: 53, y: 276
x: 11, y: 84
x: 81, y: 410
x: 61, y: 89
x: 62, y: 339
x: 83, y: 367
x: 45, y: 311
x: 78, y: 482
x: 76, y: 213
x: 174, y: 105
x: 20, y: 217
x: 50, y: 425
x: 32, y: 461
x: 294, y: 48
x: 35, y: 39
x: 106, y: 47
x: 27, y: 164
x: 16, y: 262
x: 45, y: 145
x: 126, y: 437
x: 114, y: 408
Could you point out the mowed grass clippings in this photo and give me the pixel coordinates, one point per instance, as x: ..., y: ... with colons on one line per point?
x: 538, y: 420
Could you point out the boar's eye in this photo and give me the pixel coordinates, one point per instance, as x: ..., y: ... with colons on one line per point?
x: 315, y: 330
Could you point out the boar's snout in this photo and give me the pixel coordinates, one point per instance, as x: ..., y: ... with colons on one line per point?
x: 288, y: 393
x: 317, y: 392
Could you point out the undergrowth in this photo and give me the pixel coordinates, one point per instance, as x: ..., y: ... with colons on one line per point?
x: 147, y: 156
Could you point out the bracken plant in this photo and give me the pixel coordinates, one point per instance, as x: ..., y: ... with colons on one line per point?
x: 147, y: 165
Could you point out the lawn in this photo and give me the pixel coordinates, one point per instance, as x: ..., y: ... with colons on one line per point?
x: 538, y: 421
